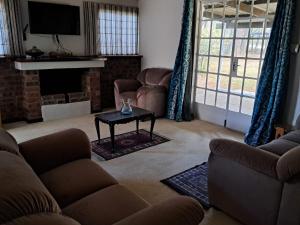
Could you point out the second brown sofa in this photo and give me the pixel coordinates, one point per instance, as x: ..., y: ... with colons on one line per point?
x: 257, y: 186
x: 52, y: 180
x: 149, y: 91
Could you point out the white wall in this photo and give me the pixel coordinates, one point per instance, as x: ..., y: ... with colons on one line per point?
x: 71, y: 42
x: 160, y: 27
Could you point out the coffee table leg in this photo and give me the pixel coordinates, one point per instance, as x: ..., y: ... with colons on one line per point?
x: 112, y: 136
x: 97, y: 129
x: 152, y: 126
x: 137, y: 126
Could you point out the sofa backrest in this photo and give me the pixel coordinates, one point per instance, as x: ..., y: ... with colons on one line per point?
x: 8, y: 143
x: 21, y: 191
x: 155, y: 76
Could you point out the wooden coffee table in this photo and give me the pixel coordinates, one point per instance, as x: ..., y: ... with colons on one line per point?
x: 115, y: 117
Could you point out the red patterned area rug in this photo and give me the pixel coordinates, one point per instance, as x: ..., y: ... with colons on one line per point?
x: 126, y: 143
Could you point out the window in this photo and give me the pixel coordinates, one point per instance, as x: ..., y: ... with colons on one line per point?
x: 3, y: 30
x: 118, y: 30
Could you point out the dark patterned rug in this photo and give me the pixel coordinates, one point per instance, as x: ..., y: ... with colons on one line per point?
x: 192, y: 182
x: 126, y: 143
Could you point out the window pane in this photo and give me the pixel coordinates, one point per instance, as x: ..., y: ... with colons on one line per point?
x: 228, y: 30
x: 234, y: 103
x: 202, y: 63
x: 247, y: 106
x: 225, y: 66
x: 205, y: 29
x: 242, y: 32
x: 210, y: 98
x: 268, y: 29
x: 226, y: 47
x: 241, y: 67
x: 200, y: 93
x: 252, y: 68
x: 204, y: 46
x: 255, y: 46
x: 223, y: 83
x: 207, y: 14
x: 266, y: 42
x: 201, y: 80
x: 257, y: 29
x: 249, y: 87
x: 236, y: 85
x: 240, y: 47
x: 215, y: 46
x: 229, y: 13
x: 216, y: 29
x: 213, y: 64
x: 212, y: 81
x: 221, y: 100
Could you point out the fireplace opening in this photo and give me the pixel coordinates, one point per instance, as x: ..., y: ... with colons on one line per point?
x: 61, y: 81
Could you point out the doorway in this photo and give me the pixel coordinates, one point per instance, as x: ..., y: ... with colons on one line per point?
x: 231, y: 42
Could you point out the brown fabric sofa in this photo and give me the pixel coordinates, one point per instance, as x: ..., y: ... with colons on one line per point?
x: 257, y: 186
x: 149, y: 91
x: 52, y: 180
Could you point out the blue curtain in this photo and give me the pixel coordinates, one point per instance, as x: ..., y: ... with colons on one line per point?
x: 180, y: 84
x: 273, y: 81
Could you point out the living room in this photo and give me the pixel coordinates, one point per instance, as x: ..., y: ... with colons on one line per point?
x: 149, y: 112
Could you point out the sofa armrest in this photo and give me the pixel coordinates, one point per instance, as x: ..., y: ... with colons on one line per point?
x: 50, y: 151
x: 124, y: 85
x: 288, y: 164
x: 177, y: 211
x: 253, y: 158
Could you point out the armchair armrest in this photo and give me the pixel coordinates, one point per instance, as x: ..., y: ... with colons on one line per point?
x: 248, y: 156
x: 177, y: 211
x: 288, y: 164
x: 50, y: 151
x: 124, y: 85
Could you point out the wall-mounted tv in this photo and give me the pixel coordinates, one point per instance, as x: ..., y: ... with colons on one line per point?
x: 48, y: 18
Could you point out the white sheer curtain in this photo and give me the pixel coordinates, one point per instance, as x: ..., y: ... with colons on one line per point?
x: 11, y: 38
x: 118, y: 30
x: 4, y: 44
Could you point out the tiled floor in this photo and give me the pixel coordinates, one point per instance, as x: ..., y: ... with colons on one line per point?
x: 142, y: 171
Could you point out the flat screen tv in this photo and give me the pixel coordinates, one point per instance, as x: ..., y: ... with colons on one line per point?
x: 48, y: 18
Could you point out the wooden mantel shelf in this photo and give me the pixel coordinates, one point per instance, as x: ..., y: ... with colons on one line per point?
x: 59, y: 64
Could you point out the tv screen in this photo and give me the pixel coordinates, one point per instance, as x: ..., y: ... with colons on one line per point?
x: 48, y: 18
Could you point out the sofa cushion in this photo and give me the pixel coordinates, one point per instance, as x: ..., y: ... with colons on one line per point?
x: 293, y: 136
x: 279, y: 146
x: 21, y: 191
x: 75, y: 180
x: 8, y: 143
x: 106, y: 206
x: 43, y: 219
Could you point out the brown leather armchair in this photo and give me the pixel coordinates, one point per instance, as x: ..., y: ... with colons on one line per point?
x: 149, y: 91
x: 257, y: 186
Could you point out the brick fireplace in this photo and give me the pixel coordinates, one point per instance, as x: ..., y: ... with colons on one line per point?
x: 34, y: 95
x: 20, y: 92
